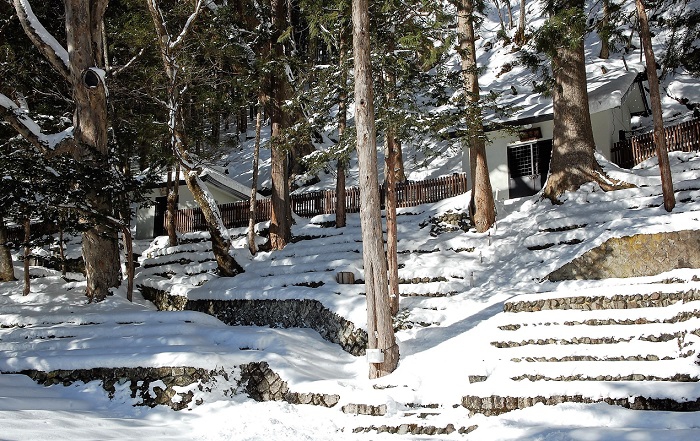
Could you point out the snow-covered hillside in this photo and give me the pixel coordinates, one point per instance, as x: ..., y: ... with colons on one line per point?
x: 455, y: 288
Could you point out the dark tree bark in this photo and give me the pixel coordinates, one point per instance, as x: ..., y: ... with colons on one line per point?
x: 657, y: 112
x: 173, y: 191
x: 379, y: 320
x: 603, y: 32
x: 26, y: 224
x: 391, y: 227
x: 573, y: 160
x: 80, y: 67
x: 7, y: 272
x: 340, y: 195
x: 254, y: 184
x: 482, y: 205
x: 280, y: 220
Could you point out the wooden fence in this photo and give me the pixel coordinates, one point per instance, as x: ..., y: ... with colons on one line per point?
x: 309, y: 204
x: 682, y: 137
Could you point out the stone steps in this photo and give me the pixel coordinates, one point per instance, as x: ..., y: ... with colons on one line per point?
x: 597, y: 301
x: 560, y: 346
x: 429, y: 421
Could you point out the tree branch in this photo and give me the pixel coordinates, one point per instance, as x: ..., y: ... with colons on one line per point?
x: 24, y: 125
x: 49, y: 47
x: 186, y: 28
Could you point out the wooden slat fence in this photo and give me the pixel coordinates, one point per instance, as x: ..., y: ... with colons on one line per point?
x: 683, y: 137
x: 309, y: 204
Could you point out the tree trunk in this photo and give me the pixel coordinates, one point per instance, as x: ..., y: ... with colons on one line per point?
x: 482, y: 205
x: 379, y: 320
x: 220, y: 239
x: 340, y: 195
x: 573, y: 151
x: 280, y: 219
x: 657, y: 112
x: 603, y: 32
x: 26, y: 223
x: 391, y: 227
x: 173, y: 191
x: 7, y: 272
x: 254, y: 184
x: 511, y: 25
x: 84, y: 38
x: 520, y: 33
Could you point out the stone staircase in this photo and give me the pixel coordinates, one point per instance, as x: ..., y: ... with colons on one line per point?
x: 560, y: 347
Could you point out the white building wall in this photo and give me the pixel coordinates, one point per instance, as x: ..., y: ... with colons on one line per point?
x: 497, y: 157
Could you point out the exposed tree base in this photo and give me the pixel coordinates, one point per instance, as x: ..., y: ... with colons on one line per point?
x: 566, y: 182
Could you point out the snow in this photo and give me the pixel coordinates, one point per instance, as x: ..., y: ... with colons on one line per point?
x: 449, y: 338
x: 53, y: 328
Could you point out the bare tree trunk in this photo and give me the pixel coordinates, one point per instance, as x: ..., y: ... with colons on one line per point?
x: 220, y: 239
x: 80, y: 68
x: 603, y: 32
x: 511, y: 25
x: 573, y: 151
x: 379, y: 320
x: 482, y: 205
x: 7, y: 272
x: 391, y: 227
x: 340, y: 195
x: 26, y: 223
x: 655, y: 97
x: 129, y: 250
x: 169, y: 48
x: 254, y: 184
x: 173, y: 190
x: 520, y: 33
x: 500, y: 14
x: 84, y: 38
x: 61, y: 245
x: 280, y: 220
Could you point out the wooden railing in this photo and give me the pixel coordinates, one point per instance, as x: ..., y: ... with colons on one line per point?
x: 682, y: 137
x: 309, y: 204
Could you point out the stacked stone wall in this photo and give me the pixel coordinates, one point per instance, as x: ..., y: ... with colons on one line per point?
x: 635, y: 256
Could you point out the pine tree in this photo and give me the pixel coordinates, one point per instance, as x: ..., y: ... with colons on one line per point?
x: 482, y: 205
x: 573, y: 160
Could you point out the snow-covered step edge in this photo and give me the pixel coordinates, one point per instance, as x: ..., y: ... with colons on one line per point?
x: 679, y: 311
x: 614, y: 352
x: 639, y: 395
x: 558, y: 333
x: 557, y: 299
x: 589, y: 370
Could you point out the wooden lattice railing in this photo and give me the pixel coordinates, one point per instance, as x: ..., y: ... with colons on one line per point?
x: 682, y: 137
x: 313, y: 203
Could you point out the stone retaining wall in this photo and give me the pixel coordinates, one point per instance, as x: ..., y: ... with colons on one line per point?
x: 635, y: 256
x: 273, y: 313
x: 256, y: 379
x: 618, y: 301
x: 496, y: 405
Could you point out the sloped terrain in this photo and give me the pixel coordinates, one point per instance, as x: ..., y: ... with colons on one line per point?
x: 481, y: 331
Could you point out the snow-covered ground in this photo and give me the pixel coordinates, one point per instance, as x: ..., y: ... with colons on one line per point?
x: 453, y: 316
x: 448, y: 340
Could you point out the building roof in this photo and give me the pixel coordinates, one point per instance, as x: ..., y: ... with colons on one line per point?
x: 605, y: 91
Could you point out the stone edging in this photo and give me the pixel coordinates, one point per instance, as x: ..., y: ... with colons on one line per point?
x: 294, y: 313
x: 496, y: 405
x: 591, y: 303
x: 257, y: 379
